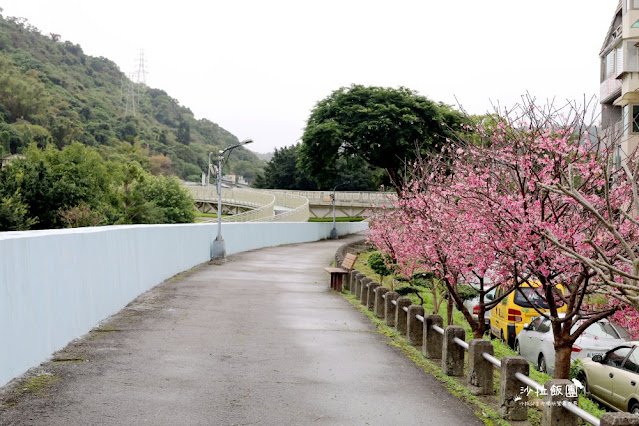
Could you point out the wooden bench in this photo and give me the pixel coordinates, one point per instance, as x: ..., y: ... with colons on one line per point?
x: 337, y: 274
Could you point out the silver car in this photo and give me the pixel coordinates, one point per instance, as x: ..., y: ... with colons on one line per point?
x: 473, y: 307
x: 613, y: 378
x: 535, y: 342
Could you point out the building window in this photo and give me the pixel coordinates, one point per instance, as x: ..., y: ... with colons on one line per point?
x: 612, y: 64
x: 632, y: 56
x: 633, y: 126
x: 631, y: 4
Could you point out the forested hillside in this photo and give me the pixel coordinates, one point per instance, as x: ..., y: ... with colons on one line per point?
x: 51, y: 93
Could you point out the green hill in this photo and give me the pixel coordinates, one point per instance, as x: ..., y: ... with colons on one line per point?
x: 52, y: 93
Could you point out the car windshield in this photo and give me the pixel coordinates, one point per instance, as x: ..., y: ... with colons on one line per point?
x: 604, y: 330
x: 527, y: 297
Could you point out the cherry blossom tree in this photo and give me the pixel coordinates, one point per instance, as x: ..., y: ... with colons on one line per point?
x: 532, y: 198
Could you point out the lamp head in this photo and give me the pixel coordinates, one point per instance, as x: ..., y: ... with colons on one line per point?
x: 246, y: 141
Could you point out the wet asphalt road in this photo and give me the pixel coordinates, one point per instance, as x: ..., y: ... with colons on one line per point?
x: 257, y: 340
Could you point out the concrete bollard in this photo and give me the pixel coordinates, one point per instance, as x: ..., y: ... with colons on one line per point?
x: 379, y: 302
x: 433, y: 340
x: 619, y: 419
x: 553, y: 413
x: 513, y: 402
x: 401, y: 317
x: 370, y: 300
x: 390, y: 310
x: 452, y: 353
x: 414, y: 327
x: 364, y: 297
x: 347, y: 281
x: 480, y: 372
x: 353, y: 280
x: 360, y: 279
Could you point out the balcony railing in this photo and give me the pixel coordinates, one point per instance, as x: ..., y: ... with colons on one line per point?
x: 610, y: 88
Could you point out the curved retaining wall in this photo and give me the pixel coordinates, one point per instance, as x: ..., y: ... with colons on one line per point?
x: 57, y: 285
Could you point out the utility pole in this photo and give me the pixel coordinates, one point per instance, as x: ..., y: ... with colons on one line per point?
x: 131, y: 86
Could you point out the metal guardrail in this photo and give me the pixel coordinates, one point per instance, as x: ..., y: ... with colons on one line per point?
x: 526, y: 380
x: 576, y: 410
x: 523, y: 378
x: 437, y: 329
x: 581, y: 413
x: 494, y: 361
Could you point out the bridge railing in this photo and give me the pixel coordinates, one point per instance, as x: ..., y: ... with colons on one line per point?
x: 264, y: 202
x: 261, y: 203
x: 368, y: 198
x: 298, y: 205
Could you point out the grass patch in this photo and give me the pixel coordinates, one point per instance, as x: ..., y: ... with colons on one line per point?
x: 38, y: 385
x: 337, y: 219
x: 199, y: 214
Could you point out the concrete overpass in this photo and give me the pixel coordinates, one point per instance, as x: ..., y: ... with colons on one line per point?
x: 251, y: 205
x: 248, y: 205
x: 347, y: 203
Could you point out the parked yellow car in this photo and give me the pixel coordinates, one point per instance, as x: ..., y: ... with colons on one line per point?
x: 613, y: 378
x: 516, y: 310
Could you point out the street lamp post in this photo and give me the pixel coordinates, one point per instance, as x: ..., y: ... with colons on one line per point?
x: 218, y: 248
x: 334, y: 230
x: 208, y: 171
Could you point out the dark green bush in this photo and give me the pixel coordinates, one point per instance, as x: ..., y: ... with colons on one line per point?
x: 406, y: 290
x: 466, y: 291
x: 377, y: 264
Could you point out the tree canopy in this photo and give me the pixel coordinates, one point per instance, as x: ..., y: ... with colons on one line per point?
x: 537, y: 200
x: 385, y: 127
x: 283, y: 171
x: 76, y: 186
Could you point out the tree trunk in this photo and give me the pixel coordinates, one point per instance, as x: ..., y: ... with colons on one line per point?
x: 433, y: 290
x: 478, y: 333
x: 480, y: 328
x: 562, y: 362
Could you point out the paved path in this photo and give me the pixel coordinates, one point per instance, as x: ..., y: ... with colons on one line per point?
x: 259, y: 339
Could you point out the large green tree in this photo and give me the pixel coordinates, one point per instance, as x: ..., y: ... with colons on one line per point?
x: 386, y: 127
x: 282, y: 172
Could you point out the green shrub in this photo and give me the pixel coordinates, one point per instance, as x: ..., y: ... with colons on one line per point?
x: 406, y: 290
x: 377, y: 263
x: 423, y: 279
x: 467, y: 292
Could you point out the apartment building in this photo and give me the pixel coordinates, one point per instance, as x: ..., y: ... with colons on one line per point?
x: 619, y: 91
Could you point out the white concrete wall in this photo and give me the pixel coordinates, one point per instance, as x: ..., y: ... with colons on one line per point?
x: 57, y: 285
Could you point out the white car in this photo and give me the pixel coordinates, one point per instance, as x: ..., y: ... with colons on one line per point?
x: 473, y: 307
x: 535, y: 342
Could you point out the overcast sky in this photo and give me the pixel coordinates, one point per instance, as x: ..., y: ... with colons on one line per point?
x: 258, y: 67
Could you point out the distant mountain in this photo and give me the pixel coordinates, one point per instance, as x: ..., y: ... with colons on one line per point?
x: 266, y: 157
x: 52, y: 93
